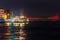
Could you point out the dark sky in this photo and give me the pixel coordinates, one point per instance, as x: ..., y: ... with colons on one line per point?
x: 33, y: 7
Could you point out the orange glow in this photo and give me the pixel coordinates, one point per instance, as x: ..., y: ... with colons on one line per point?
x: 8, y: 24
x: 5, y: 16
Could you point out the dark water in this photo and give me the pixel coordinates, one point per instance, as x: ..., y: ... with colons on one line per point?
x: 43, y: 30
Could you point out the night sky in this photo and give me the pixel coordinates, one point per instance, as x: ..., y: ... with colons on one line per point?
x: 36, y: 8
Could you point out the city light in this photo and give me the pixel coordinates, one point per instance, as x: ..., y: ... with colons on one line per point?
x: 8, y: 24
x: 22, y: 17
x: 16, y: 24
x: 20, y: 21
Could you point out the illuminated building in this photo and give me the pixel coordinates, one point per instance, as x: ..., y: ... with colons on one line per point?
x: 6, y: 31
x: 20, y: 22
x: 4, y: 15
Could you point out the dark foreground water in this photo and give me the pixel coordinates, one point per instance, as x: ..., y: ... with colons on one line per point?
x: 38, y: 30
x: 43, y: 30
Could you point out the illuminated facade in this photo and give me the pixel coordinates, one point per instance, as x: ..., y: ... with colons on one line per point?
x: 20, y: 21
x: 23, y: 22
x: 5, y: 16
